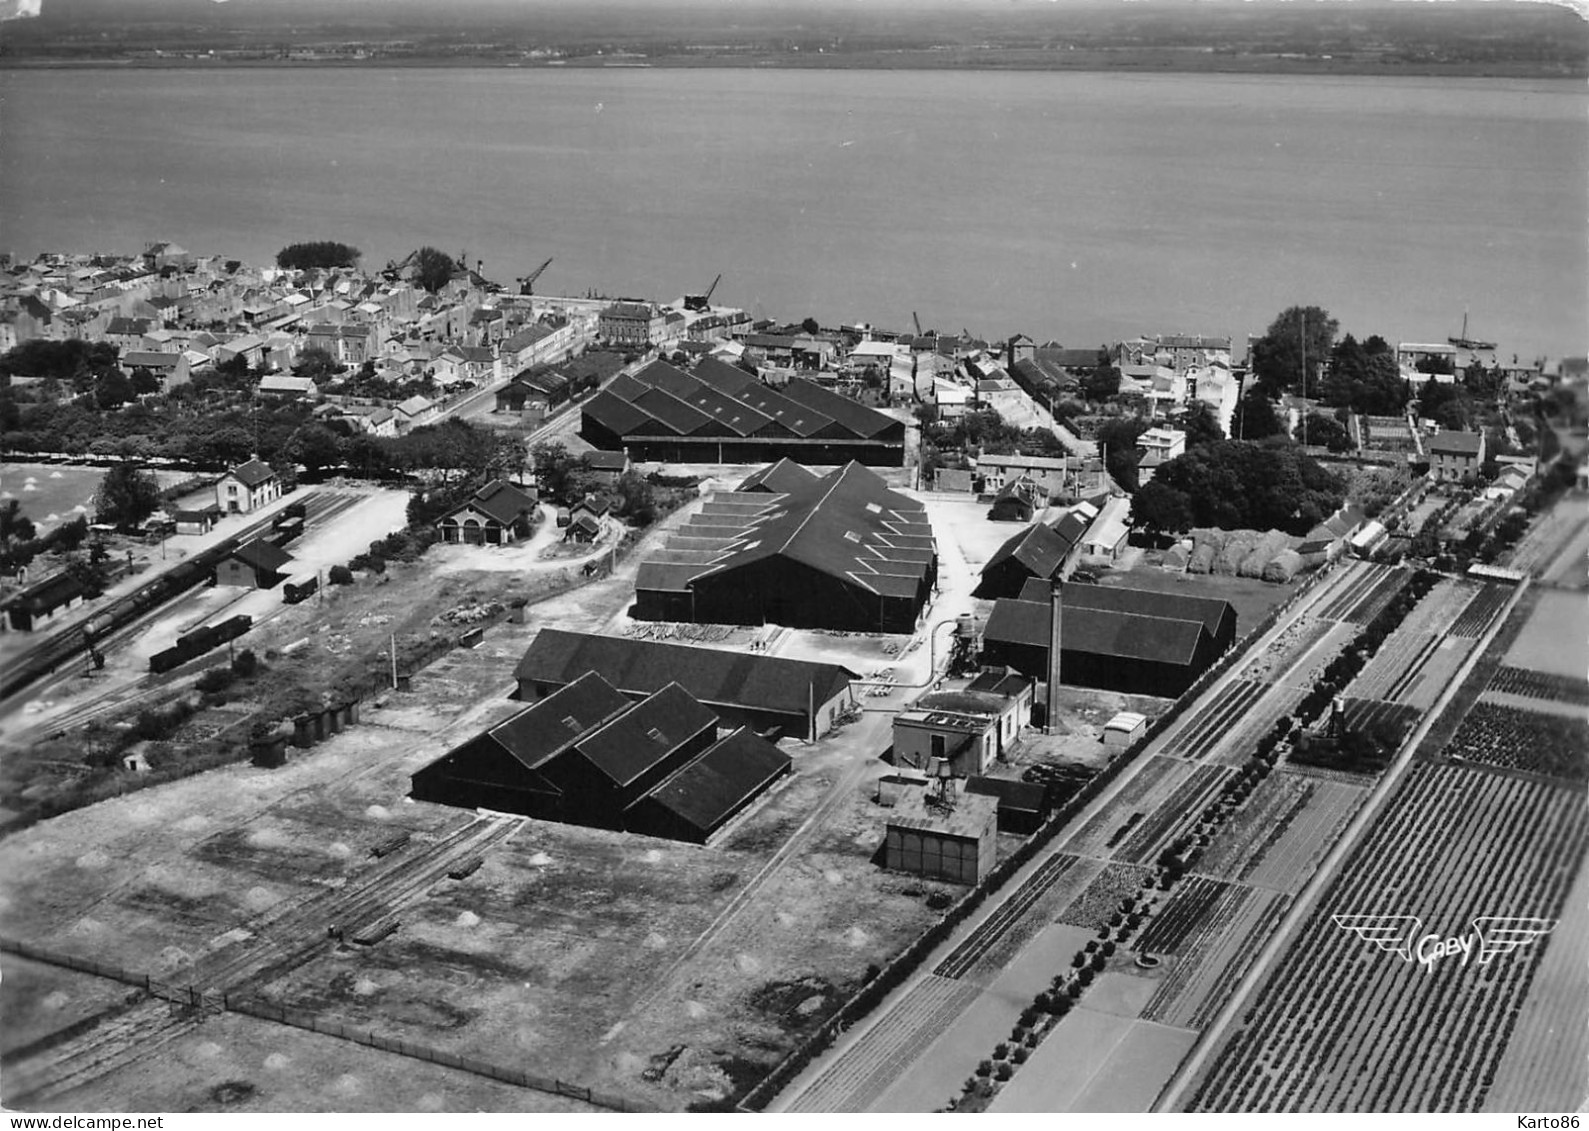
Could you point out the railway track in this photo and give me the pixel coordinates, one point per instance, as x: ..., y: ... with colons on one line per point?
x: 320, y: 506
x: 281, y: 943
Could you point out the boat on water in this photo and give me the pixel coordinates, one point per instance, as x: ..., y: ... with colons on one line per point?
x: 1467, y: 343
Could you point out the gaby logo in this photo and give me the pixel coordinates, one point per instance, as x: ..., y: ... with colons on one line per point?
x: 1492, y: 935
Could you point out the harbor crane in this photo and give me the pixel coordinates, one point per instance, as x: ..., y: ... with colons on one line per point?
x: 527, y: 282
x: 702, y: 303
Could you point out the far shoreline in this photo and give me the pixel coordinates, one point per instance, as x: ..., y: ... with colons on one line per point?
x: 915, y: 61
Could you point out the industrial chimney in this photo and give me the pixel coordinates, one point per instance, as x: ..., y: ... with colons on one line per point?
x: 1051, y: 721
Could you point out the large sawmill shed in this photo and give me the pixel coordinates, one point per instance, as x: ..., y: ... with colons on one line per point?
x: 773, y: 695
x: 720, y: 414
x: 841, y: 552
x: 589, y: 755
x: 1159, y: 650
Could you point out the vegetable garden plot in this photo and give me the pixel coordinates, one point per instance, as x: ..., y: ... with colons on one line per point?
x: 1239, y: 843
x: 1341, y: 1025
x: 1104, y: 829
x: 1363, y: 713
x: 1516, y: 739
x: 1540, y: 685
x: 1178, y: 919
x: 1415, y: 640
x: 1170, y: 817
x: 1101, y: 897
x: 1009, y: 916
x: 1481, y: 610
x: 1209, y: 725
x: 1287, y: 861
x: 1370, y: 592
x: 1214, y: 955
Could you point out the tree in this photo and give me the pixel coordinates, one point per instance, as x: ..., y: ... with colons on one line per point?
x: 126, y: 496
x: 639, y: 499
x: 1325, y: 430
x: 315, y: 446
x: 1298, y: 335
x: 14, y: 525
x: 1118, y: 438
x: 1255, y: 415
x: 1161, y: 509
x: 144, y: 382
x: 1238, y: 485
x: 319, y: 253
x: 433, y: 269
x: 1201, y: 426
x: 1103, y: 381
x: 113, y: 389
x: 811, y: 325
x: 316, y: 364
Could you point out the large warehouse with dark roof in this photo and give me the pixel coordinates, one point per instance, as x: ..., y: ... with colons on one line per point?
x: 589, y: 755
x: 799, y: 698
x: 1126, y: 640
x: 1041, y: 551
x: 840, y: 552
x: 720, y: 414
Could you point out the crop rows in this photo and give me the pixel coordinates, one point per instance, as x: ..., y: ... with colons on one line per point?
x: 1515, y: 739
x: 1103, y: 828
x: 1341, y: 1025
x: 1541, y: 685
x: 1287, y: 861
x: 1366, y: 595
x: 1171, y: 926
x: 1409, y: 648
x: 1481, y: 610
x: 1009, y: 913
x: 1363, y: 713
x: 1224, y: 944
x: 1150, y: 835
x: 1209, y: 725
x: 1238, y: 847
x: 1103, y: 895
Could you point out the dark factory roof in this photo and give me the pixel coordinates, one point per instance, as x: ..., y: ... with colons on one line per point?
x: 715, y: 785
x: 1213, y: 613
x: 780, y: 478
x: 627, y: 746
x: 542, y: 730
x: 712, y: 675
x: 720, y: 399
x: 1103, y: 632
x: 846, y: 524
x: 1039, y: 548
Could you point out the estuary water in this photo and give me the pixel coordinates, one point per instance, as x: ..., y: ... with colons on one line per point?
x: 1077, y: 207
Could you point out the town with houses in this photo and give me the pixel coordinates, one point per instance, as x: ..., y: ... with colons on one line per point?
x: 427, y: 692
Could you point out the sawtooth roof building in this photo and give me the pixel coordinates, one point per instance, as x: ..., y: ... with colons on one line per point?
x: 841, y: 552
x: 590, y: 755
x: 772, y: 694
x: 1128, y: 640
x: 718, y: 413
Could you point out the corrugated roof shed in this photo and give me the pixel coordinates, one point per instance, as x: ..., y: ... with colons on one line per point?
x: 1104, y: 632
x: 542, y: 730
x: 1214, y: 614
x: 711, y: 675
x: 626, y: 747
x: 716, y: 785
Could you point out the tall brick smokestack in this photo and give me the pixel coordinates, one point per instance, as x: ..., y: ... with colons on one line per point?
x: 1053, y: 656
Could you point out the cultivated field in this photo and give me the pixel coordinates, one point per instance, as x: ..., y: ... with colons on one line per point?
x: 1555, y: 638
x: 1341, y: 1025
x: 1286, y: 828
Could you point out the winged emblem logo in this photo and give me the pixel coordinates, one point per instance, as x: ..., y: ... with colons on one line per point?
x: 1492, y: 936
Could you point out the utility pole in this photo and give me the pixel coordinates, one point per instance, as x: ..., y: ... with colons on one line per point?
x: 1303, y: 315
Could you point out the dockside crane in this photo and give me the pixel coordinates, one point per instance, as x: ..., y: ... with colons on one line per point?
x: 702, y: 303
x: 527, y: 282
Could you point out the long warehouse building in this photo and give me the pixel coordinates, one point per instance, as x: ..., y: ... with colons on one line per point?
x: 840, y: 552
x: 720, y: 414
